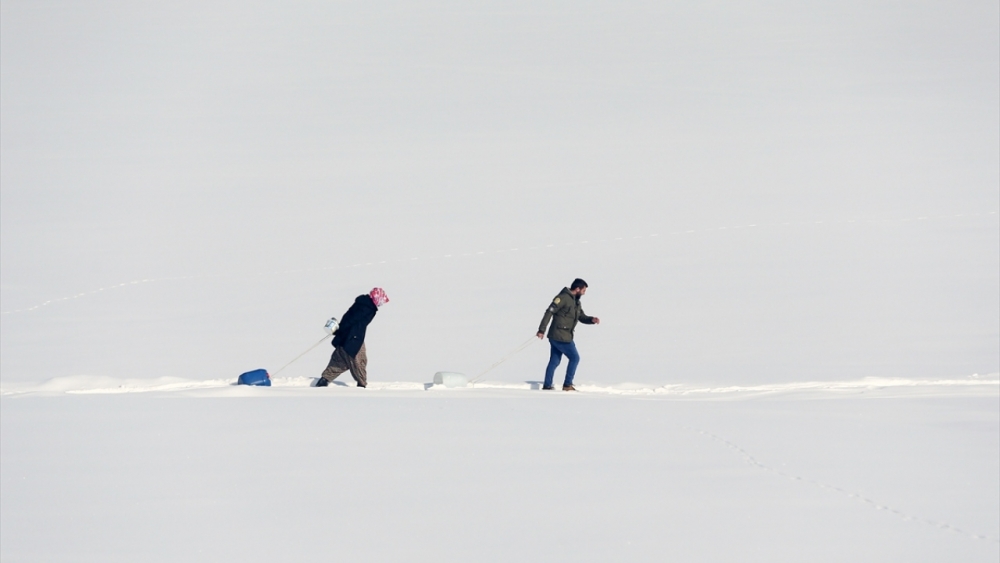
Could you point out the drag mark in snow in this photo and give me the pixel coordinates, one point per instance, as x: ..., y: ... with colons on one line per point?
x: 751, y: 460
x: 98, y: 290
x: 498, y: 251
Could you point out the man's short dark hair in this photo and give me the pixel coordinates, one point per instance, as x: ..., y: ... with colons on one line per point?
x: 578, y: 283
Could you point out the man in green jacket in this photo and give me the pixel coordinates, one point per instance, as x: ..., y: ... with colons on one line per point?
x: 567, y: 311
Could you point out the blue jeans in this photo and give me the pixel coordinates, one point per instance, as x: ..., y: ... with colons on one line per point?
x: 555, y: 356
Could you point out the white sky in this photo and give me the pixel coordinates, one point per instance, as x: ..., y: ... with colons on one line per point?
x: 149, y: 141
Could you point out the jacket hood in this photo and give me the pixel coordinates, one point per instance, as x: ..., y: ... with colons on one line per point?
x: 569, y: 292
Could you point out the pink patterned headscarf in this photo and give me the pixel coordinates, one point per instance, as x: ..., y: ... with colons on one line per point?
x: 379, y: 297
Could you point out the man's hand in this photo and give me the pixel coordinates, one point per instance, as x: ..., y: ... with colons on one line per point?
x: 597, y: 321
x: 540, y: 335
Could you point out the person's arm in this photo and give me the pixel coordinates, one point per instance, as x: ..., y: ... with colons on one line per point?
x: 355, y: 339
x: 345, y: 326
x: 547, y: 317
x: 583, y: 318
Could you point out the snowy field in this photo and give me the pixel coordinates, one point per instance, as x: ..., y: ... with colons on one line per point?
x: 204, y: 471
x: 787, y: 213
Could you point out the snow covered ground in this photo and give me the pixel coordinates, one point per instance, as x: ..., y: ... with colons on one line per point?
x: 787, y: 213
x: 208, y: 471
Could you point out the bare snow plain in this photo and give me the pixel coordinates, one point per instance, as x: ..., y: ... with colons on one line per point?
x: 103, y: 470
x: 787, y: 213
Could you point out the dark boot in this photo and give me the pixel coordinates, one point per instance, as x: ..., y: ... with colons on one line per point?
x: 549, y: 388
x: 322, y: 382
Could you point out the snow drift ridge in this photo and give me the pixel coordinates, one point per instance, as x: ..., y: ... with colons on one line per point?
x: 90, y: 384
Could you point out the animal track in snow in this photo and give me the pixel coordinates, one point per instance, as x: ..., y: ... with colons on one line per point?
x: 849, y: 494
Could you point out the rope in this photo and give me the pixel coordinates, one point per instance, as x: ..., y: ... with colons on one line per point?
x: 511, y: 354
x: 302, y: 354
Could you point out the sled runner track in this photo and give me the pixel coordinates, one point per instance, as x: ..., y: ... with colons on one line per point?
x: 849, y: 494
x: 609, y: 240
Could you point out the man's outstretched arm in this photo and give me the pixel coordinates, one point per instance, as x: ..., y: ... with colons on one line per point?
x: 587, y: 320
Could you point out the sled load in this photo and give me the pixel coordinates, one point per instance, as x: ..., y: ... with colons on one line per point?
x: 450, y: 379
x: 257, y: 377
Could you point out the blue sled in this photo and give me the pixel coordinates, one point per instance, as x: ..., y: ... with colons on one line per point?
x: 255, y: 377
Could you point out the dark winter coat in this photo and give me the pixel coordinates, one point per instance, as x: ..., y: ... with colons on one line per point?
x: 351, y: 333
x: 567, y: 311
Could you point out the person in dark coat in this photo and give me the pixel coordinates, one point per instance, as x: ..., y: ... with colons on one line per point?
x: 564, y: 312
x: 349, y: 340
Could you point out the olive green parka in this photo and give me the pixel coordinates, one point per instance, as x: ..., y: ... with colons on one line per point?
x: 567, y: 311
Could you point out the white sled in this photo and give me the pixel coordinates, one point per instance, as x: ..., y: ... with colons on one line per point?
x: 450, y: 379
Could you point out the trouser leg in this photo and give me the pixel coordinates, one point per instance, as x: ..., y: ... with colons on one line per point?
x: 574, y: 360
x: 359, y: 367
x: 339, y: 363
x: 555, y: 356
x: 567, y: 349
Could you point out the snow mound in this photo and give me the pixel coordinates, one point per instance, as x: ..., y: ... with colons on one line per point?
x: 860, y: 385
x: 96, y: 384
x: 82, y: 384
